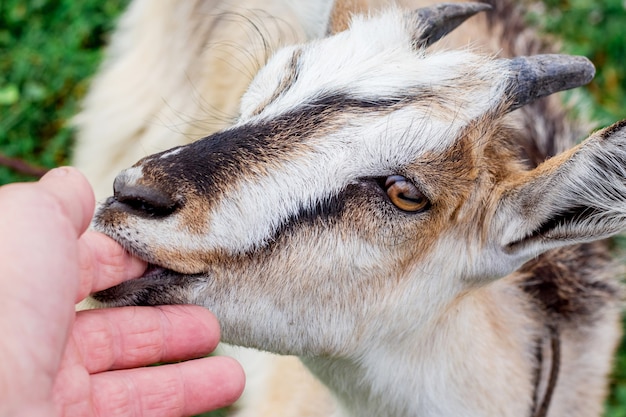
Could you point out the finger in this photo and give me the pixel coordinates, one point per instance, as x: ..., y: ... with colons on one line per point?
x: 73, y: 193
x: 181, y: 389
x: 104, y: 263
x: 128, y: 337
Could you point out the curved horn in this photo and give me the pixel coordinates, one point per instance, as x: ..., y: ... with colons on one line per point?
x: 433, y: 23
x: 538, y: 76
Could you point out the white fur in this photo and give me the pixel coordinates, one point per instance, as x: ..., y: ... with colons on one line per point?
x: 383, y: 143
x: 390, y: 330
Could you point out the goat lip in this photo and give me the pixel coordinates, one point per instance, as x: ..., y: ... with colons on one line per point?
x: 154, y: 271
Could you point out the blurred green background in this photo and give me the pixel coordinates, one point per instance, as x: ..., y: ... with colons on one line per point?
x: 50, y: 48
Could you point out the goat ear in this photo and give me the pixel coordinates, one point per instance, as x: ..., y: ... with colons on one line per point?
x: 577, y: 196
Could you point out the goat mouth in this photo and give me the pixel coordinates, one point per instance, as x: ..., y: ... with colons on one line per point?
x: 153, y: 269
x: 156, y: 286
x: 156, y: 271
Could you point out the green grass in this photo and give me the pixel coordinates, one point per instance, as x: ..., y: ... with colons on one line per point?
x: 50, y: 48
x: 597, y: 30
x: 48, y: 51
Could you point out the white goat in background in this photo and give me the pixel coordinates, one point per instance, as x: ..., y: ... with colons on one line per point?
x: 408, y: 220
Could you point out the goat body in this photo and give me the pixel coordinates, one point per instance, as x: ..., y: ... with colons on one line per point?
x: 411, y: 218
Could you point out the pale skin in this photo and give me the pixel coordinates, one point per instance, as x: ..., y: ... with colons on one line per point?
x: 56, y: 362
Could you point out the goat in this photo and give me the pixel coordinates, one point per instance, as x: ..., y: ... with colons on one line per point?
x: 400, y: 218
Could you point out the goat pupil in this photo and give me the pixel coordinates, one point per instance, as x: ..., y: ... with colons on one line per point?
x: 405, y: 195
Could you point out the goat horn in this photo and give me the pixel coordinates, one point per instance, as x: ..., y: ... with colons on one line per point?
x: 538, y: 76
x: 436, y: 22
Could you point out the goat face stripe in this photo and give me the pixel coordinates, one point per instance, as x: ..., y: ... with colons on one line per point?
x: 272, y: 170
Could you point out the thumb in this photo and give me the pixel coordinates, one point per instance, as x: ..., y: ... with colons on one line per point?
x: 74, y: 194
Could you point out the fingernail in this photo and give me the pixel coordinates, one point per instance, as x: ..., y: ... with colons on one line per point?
x: 59, y: 172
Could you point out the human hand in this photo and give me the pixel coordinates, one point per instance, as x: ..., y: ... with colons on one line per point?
x: 58, y: 362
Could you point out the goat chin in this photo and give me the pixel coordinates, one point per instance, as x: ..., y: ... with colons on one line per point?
x: 399, y: 202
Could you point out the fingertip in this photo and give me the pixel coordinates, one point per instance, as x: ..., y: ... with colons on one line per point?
x: 195, y: 326
x: 224, y: 378
x: 235, y: 374
x: 70, y: 187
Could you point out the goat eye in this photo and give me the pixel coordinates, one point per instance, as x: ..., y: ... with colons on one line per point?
x: 404, y: 195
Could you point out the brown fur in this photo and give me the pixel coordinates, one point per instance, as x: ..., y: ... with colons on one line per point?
x: 342, y: 12
x: 570, y: 292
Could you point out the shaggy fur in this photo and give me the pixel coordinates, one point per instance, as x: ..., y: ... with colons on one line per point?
x: 496, y: 298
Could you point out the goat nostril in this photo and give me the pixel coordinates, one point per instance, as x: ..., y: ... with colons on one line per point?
x: 144, y: 201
